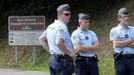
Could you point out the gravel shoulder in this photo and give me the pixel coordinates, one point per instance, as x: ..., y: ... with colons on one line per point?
x: 19, y: 72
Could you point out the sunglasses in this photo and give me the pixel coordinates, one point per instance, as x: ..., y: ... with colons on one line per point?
x: 67, y: 14
x: 86, y: 22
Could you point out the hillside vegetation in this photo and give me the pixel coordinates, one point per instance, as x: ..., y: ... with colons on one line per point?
x: 101, y: 23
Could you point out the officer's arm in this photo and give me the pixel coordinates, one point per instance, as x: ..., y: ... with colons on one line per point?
x: 94, y: 47
x: 131, y: 44
x: 61, y: 45
x: 120, y: 43
x: 43, y: 42
x: 87, y: 48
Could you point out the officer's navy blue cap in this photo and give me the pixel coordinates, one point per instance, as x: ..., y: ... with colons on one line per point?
x: 123, y: 11
x: 83, y: 16
x: 63, y: 7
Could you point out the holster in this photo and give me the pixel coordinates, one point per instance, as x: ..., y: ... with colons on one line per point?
x: 68, y: 63
x: 68, y: 60
x: 117, y: 56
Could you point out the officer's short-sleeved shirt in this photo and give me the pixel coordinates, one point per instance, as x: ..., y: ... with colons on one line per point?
x: 122, y: 33
x: 85, y: 38
x: 58, y: 29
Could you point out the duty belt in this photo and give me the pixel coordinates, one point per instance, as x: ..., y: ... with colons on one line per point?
x: 58, y: 57
x: 117, y: 55
x: 87, y: 59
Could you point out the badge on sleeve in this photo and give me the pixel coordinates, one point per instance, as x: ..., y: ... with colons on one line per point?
x: 74, y: 37
x: 112, y: 34
x: 61, y: 31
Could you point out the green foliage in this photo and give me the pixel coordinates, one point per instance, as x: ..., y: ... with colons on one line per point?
x: 106, y: 66
x: 40, y: 65
x: 46, y: 8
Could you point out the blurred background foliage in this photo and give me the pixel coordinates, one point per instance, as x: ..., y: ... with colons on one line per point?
x: 48, y: 8
x: 103, y: 18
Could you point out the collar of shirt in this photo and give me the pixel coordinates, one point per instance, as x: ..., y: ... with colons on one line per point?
x: 123, y: 27
x: 82, y: 31
x: 59, y: 21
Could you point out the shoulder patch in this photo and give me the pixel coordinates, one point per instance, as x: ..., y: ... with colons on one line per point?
x: 61, y: 31
x: 112, y: 34
x: 74, y: 37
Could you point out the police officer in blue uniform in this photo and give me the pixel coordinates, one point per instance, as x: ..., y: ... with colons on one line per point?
x: 57, y: 41
x: 122, y: 37
x: 85, y: 43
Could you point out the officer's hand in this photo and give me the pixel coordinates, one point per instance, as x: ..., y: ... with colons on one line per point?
x: 132, y: 40
x: 73, y: 55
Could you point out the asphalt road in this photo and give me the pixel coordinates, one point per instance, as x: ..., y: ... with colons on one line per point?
x: 18, y: 72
